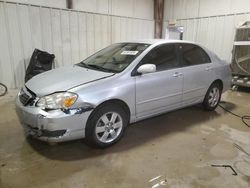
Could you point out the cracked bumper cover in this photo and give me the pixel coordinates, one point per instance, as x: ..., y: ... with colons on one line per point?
x: 52, y: 126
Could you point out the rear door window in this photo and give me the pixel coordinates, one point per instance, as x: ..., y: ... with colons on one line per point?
x: 193, y: 55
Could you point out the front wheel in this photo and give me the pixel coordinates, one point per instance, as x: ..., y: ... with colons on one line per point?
x: 106, y: 126
x: 212, y: 97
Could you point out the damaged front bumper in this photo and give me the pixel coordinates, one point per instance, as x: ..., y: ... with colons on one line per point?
x: 54, y: 125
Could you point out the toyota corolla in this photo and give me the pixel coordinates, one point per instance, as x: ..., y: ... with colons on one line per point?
x: 123, y: 83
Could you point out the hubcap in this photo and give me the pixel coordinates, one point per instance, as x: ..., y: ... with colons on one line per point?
x: 108, y: 127
x: 214, y: 97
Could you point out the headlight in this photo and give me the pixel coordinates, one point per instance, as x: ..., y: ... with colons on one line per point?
x: 57, y: 100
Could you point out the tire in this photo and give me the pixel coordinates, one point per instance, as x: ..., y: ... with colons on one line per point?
x: 212, y: 97
x: 101, y: 131
x: 3, y: 89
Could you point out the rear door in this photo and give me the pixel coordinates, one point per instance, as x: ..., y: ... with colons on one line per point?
x: 197, y: 73
x: 161, y: 90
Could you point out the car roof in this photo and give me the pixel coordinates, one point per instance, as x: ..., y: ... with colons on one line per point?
x: 161, y: 41
x: 157, y: 42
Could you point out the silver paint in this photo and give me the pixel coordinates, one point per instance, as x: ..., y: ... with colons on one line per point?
x: 146, y: 95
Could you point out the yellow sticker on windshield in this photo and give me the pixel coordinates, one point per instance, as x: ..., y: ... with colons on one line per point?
x: 129, y: 52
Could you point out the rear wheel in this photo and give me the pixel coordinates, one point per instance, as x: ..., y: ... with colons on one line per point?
x: 106, y: 126
x: 212, y: 97
x: 3, y: 89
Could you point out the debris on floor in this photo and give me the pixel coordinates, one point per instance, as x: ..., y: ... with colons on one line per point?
x: 158, y: 181
x: 226, y: 166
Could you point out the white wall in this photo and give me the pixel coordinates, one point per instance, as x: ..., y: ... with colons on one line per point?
x: 49, y: 3
x: 129, y: 8
x: 182, y: 9
x: 209, y: 22
x: 70, y: 35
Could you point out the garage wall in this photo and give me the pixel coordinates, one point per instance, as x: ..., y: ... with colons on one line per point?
x: 49, y: 3
x: 131, y: 8
x: 209, y: 22
x: 71, y: 35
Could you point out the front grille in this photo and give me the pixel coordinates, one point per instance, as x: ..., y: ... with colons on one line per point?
x: 25, y: 97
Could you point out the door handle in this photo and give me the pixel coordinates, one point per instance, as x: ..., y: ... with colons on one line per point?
x: 208, y: 68
x: 177, y: 74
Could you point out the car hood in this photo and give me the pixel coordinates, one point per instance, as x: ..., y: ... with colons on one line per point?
x: 62, y: 79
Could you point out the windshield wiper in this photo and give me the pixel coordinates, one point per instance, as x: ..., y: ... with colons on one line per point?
x: 100, y: 68
x: 82, y: 64
x: 96, y: 67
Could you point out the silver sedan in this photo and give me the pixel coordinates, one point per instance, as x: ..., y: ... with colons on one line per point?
x: 123, y: 83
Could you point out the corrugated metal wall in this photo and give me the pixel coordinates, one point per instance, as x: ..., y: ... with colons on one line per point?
x: 209, y: 22
x: 216, y: 32
x: 70, y: 35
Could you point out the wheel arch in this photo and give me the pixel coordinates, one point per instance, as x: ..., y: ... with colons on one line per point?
x: 117, y: 102
x: 219, y: 81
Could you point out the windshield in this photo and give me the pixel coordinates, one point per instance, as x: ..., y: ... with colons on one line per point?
x: 114, y: 58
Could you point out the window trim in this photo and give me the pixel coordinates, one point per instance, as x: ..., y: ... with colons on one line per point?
x: 134, y: 71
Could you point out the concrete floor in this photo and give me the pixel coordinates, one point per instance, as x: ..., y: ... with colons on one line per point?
x: 180, y: 146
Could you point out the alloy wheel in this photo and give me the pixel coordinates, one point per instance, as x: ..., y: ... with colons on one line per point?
x: 108, y: 127
x: 214, y: 97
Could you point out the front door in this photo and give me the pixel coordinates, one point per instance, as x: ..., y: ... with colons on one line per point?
x: 162, y: 90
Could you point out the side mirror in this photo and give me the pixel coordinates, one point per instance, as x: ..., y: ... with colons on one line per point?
x: 146, y: 68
